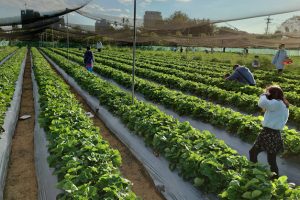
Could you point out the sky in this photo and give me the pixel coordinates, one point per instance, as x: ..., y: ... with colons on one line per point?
x: 212, y: 9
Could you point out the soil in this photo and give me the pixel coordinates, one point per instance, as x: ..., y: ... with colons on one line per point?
x: 131, y: 168
x: 21, y: 179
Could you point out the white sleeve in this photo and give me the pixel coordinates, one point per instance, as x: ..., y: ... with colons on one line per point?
x: 267, y: 104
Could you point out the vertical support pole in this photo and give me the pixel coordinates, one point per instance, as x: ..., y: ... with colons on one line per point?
x: 52, y: 39
x: 133, y: 51
x: 68, y: 39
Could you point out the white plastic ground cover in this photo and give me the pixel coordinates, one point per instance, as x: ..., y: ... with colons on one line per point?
x: 7, y: 57
x: 46, y: 180
x: 287, y: 166
x: 10, y: 122
x: 169, y: 183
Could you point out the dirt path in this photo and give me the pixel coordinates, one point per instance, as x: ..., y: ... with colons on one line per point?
x: 131, y: 168
x: 21, y: 179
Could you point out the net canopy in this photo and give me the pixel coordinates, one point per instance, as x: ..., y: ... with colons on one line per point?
x: 17, y: 12
x: 160, y: 22
x: 21, y: 19
x: 188, y: 22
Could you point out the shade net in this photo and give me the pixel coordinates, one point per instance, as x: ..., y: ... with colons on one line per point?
x: 159, y: 22
x: 20, y: 19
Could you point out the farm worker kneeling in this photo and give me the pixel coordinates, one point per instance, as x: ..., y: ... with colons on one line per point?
x: 276, y: 115
x: 88, y: 59
x: 241, y: 74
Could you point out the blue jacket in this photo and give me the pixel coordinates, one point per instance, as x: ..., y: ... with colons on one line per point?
x: 279, y: 57
x: 242, y: 74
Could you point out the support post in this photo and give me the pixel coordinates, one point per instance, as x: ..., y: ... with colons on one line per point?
x: 133, y: 51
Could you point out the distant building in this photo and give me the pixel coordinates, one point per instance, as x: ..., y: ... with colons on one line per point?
x: 102, y: 26
x: 152, y: 19
x: 291, y: 25
x: 60, y: 23
x: 28, y: 16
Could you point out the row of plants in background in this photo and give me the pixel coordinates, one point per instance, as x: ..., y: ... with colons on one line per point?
x: 198, y: 156
x: 175, y: 59
x: 215, y: 71
x: 264, y: 76
x: 9, y: 73
x: 4, y: 52
x: 246, y: 127
x: 86, y: 166
x: 293, y: 96
x: 247, y: 103
x: 291, y: 90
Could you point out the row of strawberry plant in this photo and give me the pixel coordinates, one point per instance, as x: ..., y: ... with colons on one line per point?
x: 199, y: 67
x: 291, y: 90
x: 86, y: 166
x: 6, y: 51
x: 246, y: 127
x: 198, y: 156
x: 9, y: 73
x: 293, y: 97
x: 244, y: 102
x: 262, y: 80
x: 197, y: 64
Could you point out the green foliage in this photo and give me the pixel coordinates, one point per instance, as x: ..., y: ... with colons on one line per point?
x: 9, y: 73
x: 86, y: 166
x: 245, y: 127
x: 198, y: 156
x: 4, y: 52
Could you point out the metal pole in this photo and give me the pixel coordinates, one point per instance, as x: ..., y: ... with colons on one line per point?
x: 52, y: 39
x: 68, y: 40
x: 133, y: 50
x: 42, y: 39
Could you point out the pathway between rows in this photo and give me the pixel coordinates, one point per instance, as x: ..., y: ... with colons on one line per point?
x: 21, y: 178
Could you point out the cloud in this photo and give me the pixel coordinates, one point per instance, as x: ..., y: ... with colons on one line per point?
x: 95, y: 8
x: 125, y: 1
x: 183, y: 1
x: 140, y: 2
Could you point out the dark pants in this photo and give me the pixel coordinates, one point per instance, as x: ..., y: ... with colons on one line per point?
x: 280, y: 71
x: 254, y: 151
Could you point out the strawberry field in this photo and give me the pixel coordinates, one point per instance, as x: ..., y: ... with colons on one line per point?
x: 176, y: 99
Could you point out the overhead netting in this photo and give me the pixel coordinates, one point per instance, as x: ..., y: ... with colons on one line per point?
x: 158, y: 22
x: 25, y: 18
x: 188, y: 22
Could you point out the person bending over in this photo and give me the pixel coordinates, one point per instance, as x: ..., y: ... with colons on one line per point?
x: 241, y: 74
x: 276, y: 115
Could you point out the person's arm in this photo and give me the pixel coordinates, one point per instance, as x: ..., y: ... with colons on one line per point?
x: 267, y: 104
x: 233, y: 76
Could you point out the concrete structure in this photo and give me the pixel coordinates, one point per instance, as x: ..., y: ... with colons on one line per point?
x: 152, y: 19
